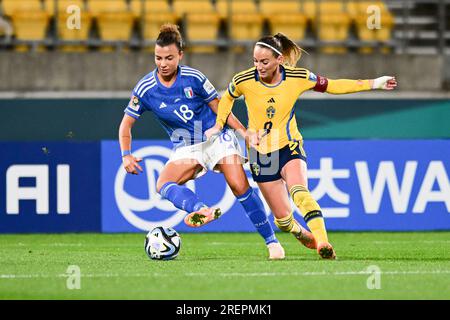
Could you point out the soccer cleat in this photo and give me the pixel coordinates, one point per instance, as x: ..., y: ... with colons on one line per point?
x: 306, y: 238
x: 276, y: 251
x: 201, y: 217
x: 326, y: 251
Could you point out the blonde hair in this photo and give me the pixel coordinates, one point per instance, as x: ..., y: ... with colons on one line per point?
x: 280, y: 43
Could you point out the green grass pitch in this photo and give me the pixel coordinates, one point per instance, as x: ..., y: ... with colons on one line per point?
x: 226, y: 266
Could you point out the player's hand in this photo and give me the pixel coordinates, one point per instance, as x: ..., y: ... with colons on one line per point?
x: 252, y: 138
x: 384, y: 83
x: 131, y: 164
x: 213, y: 132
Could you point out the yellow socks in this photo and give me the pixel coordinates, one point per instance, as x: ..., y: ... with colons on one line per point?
x: 288, y: 224
x: 311, y: 212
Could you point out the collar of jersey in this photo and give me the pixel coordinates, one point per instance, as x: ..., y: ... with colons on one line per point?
x: 283, y: 77
x: 155, y: 74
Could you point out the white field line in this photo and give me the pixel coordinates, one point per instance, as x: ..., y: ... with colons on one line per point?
x: 227, y: 274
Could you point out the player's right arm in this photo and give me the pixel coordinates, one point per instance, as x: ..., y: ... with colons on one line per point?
x: 130, y: 163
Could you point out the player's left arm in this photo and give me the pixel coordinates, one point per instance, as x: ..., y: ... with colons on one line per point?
x: 342, y: 86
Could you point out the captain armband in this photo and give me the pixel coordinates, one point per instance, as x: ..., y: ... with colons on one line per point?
x: 321, y: 84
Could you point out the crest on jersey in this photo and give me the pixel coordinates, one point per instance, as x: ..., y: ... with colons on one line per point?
x: 232, y: 87
x: 134, y: 103
x: 256, y: 169
x: 189, y: 92
x: 270, y: 112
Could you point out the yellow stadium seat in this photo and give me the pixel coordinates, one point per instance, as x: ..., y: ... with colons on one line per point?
x: 115, y: 26
x: 153, y: 22
x: 182, y: 7
x: 139, y: 7
x: 366, y: 28
x: 71, y: 32
x: 96, y: 7
x: 245, y: 22
x: 330, y: 21
x: 151, y: 14
x: 286, y: 17
x: 10, y: 6
x: 62, y: 5
x: 201, y: 21
x: 29, y: 26
x: 309, y: 9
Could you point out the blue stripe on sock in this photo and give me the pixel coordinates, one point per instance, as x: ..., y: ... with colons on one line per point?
x: 166, y: 186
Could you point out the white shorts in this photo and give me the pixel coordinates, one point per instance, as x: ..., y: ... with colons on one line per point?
x: 209, y: 153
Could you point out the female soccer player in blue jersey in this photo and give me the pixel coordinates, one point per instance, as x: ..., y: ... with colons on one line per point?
x: 185, y: 103
x: 277, y: 159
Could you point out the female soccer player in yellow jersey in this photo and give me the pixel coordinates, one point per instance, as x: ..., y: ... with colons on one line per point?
x: 276, y: 155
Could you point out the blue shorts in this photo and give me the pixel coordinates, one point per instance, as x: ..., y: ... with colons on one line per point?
x: 267, y: 167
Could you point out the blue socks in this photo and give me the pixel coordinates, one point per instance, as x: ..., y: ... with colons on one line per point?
x: 254, y: 209
x: 181, y: 197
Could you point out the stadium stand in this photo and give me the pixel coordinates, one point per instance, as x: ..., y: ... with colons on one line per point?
x: 330, y: 26
x: 150, y: 15
x: 368, y: 30
x: 72, y: 34
x: 200, y: 22
x: 244, y: 19
x: 29, y: 21
x: 285, y: 17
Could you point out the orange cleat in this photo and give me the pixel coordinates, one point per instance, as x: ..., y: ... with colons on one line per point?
x: 201, y: 217
x: 326, y: 251
x: 276, y: 251
x: 306, y: 238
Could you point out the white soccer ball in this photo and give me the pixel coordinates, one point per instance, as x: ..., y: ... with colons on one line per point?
x: 162, y: 244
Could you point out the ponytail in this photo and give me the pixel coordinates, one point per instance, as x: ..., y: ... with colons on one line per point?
x: 291, y: 51
x: 279, y: 43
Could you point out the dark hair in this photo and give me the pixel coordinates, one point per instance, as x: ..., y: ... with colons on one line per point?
x: 169, y: 34
x: 290, y: 50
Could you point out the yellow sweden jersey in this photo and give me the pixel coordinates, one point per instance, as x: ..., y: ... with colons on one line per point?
x: 271, y: 108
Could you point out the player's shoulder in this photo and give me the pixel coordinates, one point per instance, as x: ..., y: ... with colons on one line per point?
x: 245, y: 75
x: 145, y: 84
x: 296, y: 72
x: 189, y: 72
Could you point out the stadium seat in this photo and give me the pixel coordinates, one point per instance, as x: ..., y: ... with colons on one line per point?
x: 29, y: 26
x: 140, y: 7
x: 11, y: 6
x: 201, y: 23
x: 96, y: 7
x: 284, y: 16
x: 151, y: 14
x: 79, y: 36
x: 115, y: 26
x: 364, y: 29
x: 62, y: 5
x: 245, y: 23
x: 330, y: 21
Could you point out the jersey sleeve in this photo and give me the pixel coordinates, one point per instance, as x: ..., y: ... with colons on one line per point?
x: 233, y: 88
x: 205, y: 89
x: 135, y: 106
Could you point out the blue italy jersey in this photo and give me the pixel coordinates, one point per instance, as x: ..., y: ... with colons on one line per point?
x: 182, y: 109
